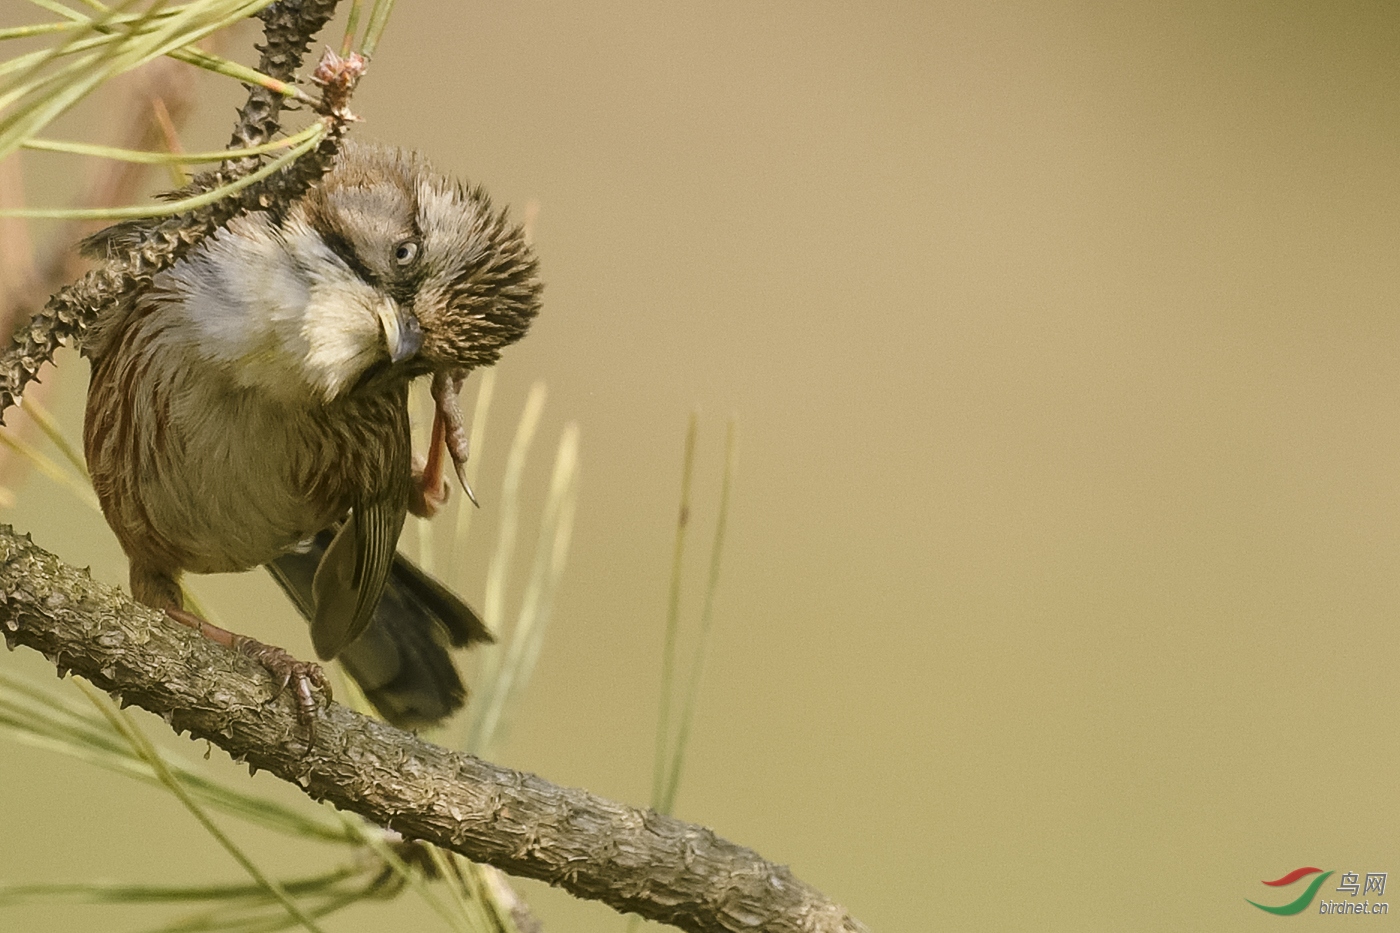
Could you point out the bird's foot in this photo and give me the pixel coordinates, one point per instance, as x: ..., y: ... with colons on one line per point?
x: 455, y: 436
x: 305, y: 678
x: 430, y: 488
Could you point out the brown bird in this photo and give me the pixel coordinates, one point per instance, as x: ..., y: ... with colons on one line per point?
x: 251, y: 408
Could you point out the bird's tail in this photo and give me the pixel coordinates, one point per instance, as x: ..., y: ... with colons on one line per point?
x: 401, y: 660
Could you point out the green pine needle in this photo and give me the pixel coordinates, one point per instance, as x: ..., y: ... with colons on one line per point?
x: 378, y: 19
x: 311, y: 137
x: 673, y: 612
x: 147, y: 752
x: 111, y: 892
x: 39, y: 718
x: 111, y: 43
x: 697, y: 661
x: 670, y: 753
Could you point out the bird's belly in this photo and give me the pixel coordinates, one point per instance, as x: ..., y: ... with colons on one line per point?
x: 231, y: 498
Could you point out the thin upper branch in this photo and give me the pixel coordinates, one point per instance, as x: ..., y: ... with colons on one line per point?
x: 26, y: 278
x: 631, y: 859
x: 148, y: 247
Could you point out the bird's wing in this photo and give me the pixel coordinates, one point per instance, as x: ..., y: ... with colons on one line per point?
x: 352, y: 575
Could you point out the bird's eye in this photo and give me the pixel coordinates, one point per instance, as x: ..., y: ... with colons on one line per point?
x: 406, y: 252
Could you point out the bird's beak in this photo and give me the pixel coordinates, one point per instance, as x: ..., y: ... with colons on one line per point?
x: 402, y: 334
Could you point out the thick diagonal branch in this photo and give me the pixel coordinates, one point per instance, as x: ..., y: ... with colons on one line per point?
x: 631, y: 859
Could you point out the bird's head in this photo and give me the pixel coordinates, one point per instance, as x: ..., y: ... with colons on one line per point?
x: 424, y: 274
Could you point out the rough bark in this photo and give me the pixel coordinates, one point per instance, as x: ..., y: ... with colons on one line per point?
x: 631, y: 859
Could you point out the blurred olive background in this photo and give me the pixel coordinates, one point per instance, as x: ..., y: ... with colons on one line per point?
x: 1060, y: 588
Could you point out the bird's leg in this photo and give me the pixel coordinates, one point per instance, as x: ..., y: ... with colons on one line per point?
x: 450, y: 434
x: 455, y: 435
x: 429, y: 485
x: 159, y: 590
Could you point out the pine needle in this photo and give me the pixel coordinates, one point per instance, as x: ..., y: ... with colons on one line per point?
x: 527, y: 635
x: 112, y: 892
x: 147, y: 752
x: 673, y: 612
x: 312, y: 136
x: 49, y: 425
x: 697, y: 663
x: 37, y: 717
x: 498, y: 572
x: 78, y: 486
x: 378, y: 19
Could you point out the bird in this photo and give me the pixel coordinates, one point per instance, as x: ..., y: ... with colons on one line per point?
x: 250, y: 407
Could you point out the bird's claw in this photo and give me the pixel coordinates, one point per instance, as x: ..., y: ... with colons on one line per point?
x: 304, y: 677
x: 462, y: 478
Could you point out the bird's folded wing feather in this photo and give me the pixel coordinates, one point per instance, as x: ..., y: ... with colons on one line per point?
x: 352, y: 575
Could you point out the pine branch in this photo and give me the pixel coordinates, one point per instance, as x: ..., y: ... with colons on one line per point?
x: 631, y: 859
x: 148, y: 247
